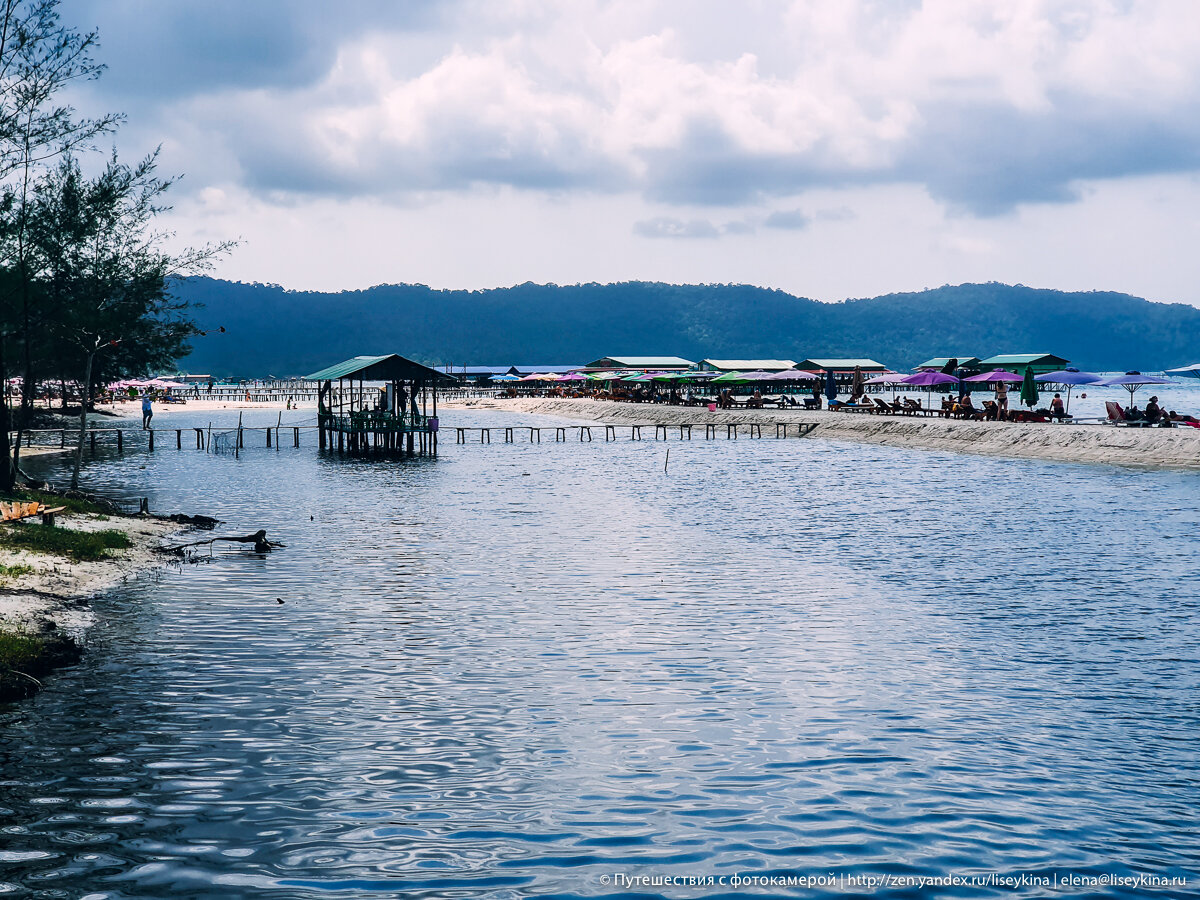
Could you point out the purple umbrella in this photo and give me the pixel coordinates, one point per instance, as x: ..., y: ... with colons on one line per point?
x: 888, y: 378
x: 997, y: 375
x: 1070, y: 377
x: 793, y: 375
x: 1131, y: 381
x: 928, y: 379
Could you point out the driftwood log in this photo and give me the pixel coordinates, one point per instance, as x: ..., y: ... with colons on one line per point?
x: 258, y: 539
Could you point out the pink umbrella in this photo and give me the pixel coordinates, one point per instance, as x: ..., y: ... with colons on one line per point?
x: 927, y: 379
x: 997, y: 375
x: 888, y: 378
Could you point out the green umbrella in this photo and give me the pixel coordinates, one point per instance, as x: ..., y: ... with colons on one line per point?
x: 1029, y: 391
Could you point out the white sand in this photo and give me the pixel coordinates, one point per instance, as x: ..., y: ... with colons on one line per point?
x: 58, y: 588
x: 132, y: 409
x: 1165, y: 447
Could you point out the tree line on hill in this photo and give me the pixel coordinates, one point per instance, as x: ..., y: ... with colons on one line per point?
x: 270, y: 330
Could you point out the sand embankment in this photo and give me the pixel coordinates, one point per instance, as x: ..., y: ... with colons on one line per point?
x: 1098, y: 443
x: 48, y: 595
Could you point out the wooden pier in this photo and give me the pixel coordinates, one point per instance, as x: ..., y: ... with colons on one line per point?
x: 662, y: 432
x: 368, y: 442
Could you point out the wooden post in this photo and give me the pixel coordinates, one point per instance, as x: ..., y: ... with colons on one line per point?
x: 296, y: 436
x: 92, y: 434
x: 63, y: 434
x: 178, y: 438
x: 150, y: 431
x: 120, y: 439
x: 268, y: 438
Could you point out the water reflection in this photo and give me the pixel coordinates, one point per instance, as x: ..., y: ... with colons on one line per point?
x: 516, y: 669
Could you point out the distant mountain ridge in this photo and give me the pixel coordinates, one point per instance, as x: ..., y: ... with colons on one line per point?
x: 270, y: 330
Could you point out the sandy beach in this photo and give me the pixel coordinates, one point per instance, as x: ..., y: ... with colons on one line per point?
x: 1093, y: 443
x: 49, y: 597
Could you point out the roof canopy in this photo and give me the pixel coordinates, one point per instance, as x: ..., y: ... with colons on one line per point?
x: 841, y: 365
x: 640, y: 362
x: 531, y: 370
x: 380, y: 368
x: 1005, y: 360
x: 940, y: 362
x: 747, y: 365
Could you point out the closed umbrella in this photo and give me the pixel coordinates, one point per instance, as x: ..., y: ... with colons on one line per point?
x: 1029, y: 391
x: 856, y: 383
x: 831, y: 390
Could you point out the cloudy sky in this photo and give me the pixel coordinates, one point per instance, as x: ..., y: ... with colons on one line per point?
x: 831, y: 148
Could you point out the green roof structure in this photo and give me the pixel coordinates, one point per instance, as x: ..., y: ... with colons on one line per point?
x: 664, y: 363
x: 940, y: 362
x: 840, y: 365
x: 746, y: 365
x: 1041, y: 363
x: 391, y: 367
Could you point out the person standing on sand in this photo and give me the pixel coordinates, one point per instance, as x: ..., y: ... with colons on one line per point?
x: 147, y: 412
x: 1002, y: 399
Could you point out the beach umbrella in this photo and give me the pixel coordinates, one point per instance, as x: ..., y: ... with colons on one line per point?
x: 831, y: 390
x: 1131, y: 381
x: 887, y: 378
x: 996, y: 375
x: 1069, y: 377
x: 730, y: 378
x: 856, y: 382
x: 928, y: 379
x: 1029, y: 391
x: 570, y: 376
x: 1192, y: 371
x: 793, y: 375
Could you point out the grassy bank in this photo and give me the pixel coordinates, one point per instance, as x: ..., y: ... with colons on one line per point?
x: 27, y: 657
x: 80, y: 546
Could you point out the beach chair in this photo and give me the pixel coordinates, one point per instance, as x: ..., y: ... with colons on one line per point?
x: 12, y: 511
x: 882, y: 407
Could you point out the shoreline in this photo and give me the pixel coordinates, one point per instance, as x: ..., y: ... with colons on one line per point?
x: 48, y: 599
x: 1177, y: 448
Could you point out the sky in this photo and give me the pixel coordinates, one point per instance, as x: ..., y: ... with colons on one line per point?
x: 829, y: 148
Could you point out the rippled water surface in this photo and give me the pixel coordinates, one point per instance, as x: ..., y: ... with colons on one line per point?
x: 542, y: 670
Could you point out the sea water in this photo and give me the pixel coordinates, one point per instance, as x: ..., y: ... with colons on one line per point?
x: 760, y: 667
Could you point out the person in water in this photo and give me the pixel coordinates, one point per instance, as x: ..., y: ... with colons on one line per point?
x: 147, y: 412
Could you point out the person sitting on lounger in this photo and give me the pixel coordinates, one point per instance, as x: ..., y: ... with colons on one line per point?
x: 1057, y: 409
x: 991, y: 410
x: 1152, y: 411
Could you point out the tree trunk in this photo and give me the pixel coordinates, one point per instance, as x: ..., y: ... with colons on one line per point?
x: 86, y: 395
x: 7, y: 474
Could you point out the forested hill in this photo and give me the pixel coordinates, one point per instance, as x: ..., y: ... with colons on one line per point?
x: 273, y: 331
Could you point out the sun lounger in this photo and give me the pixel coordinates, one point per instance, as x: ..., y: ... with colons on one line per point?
x: 1116, y: 416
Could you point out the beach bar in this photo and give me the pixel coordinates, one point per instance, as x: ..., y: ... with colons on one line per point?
x: 378, y: 404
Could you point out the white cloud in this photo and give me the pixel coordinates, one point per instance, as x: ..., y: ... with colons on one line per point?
x: 638, y: 116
